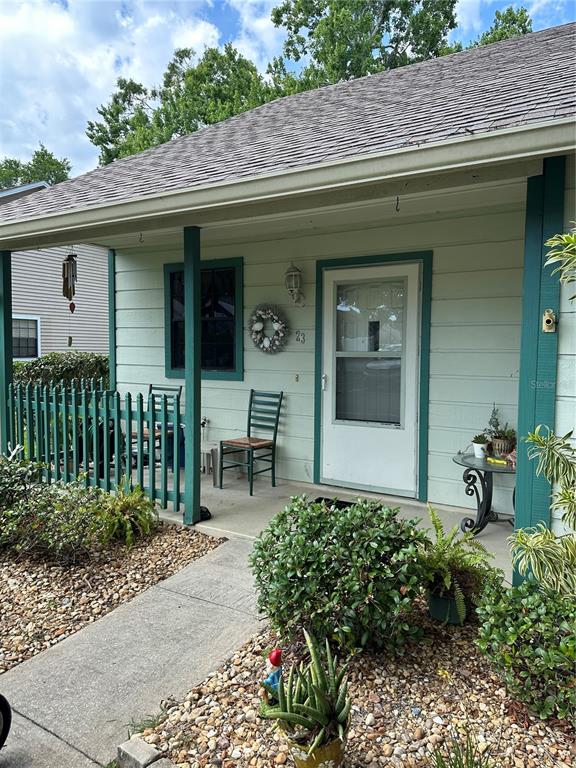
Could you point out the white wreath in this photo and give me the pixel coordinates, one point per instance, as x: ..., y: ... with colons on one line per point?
x: 276, y: 341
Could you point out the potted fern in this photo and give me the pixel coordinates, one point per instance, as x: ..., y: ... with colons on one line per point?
x: 457, y: 570
x: 313, y: 710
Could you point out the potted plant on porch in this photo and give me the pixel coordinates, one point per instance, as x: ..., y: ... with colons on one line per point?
x: 457, y: 569
x: 313, y: 710
x: 480, y: 445
x: 502, y: 437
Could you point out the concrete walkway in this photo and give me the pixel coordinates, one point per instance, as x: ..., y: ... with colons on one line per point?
x: 73, y: 702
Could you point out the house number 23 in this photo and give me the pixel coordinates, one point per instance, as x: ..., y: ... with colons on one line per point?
x: 301, y: 337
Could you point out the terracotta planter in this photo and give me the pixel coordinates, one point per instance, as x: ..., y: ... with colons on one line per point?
x: 329, y: 756
x: 443, y: 609
x: 501, y: 446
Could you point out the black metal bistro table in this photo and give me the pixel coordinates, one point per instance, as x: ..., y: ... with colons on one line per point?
x: 479, y: 483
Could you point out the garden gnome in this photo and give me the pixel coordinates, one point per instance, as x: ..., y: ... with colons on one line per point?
x: 274, y: 669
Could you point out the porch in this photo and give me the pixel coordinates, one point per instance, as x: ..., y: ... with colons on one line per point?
x: 236, y: 514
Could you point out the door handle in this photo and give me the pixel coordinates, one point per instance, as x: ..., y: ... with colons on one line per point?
x: 324, y: 381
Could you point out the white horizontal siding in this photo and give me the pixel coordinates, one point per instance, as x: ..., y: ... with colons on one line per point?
x: 37, y: 290
x: 566, y: 384
x: 475, y: 334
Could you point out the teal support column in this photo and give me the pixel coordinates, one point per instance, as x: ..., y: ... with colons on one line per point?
x: 192, y: 296
x: 112, y: 317
x: 539, y: 350
x: 5, y: 343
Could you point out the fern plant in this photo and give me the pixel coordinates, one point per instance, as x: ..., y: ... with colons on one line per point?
x: 313, y: 705
x: 126, y: 516
x: 457, y: 566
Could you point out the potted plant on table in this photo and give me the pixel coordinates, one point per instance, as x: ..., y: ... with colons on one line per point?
x: 457, y: 571
x: 480, y: 445
x: 313, y: 710
x: 502, y: 437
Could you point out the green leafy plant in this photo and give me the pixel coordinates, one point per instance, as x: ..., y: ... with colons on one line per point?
x: 563, y: 253
x: 349, y: 574
x: 480, y: 439
x: 126, y: 516
x: 530, y: 637
x: 18, y: 478
x: 550, y: 557
x: 313, y: 705
x: 456, y: 566
x: 454, y: 754
x: 57, y: 367
x: 498, y: 431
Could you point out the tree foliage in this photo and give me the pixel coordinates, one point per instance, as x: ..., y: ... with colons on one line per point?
x: 511, y: 22
x: 221, y: 84
x: 42, y: 166
x: 344, y: 39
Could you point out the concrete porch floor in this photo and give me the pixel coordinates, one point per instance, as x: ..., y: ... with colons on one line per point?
x: 236, y: 513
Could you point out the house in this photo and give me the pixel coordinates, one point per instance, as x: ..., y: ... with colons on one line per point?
x: 41, y: 319
x: 415, y: 203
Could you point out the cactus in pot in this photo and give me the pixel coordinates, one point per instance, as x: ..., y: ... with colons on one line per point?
x: 313, y: 710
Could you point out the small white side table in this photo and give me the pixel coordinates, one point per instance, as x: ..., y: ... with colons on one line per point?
x: 209, y: 453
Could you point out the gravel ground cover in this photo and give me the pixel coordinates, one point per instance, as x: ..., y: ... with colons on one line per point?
x: 42, y: 603
x: 402, y: 708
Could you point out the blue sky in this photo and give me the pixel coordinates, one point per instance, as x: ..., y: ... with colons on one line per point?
x: 59, y: 59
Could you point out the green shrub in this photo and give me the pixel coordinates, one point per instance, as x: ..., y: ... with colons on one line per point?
x: 59, y: 521
x: 18, y: 478
x: 350, y: 575
x: 127, y: 516
x: 65, y: 522
x: 530, y: 637
x: 62, y: 366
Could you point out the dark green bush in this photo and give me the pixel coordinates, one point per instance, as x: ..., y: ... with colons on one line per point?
x: 350, y: 575
x: 62, y: 366
x: 65, y: 522
x: 59, y: 521
x: 530, y: 637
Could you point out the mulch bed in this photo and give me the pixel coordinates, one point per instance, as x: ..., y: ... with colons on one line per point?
x: 402, y: 708
x: 42, y: 603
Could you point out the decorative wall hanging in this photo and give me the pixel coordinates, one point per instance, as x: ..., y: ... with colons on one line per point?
x: 262, y: 316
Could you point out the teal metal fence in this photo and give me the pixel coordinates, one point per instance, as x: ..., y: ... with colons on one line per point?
x: 100, y: 437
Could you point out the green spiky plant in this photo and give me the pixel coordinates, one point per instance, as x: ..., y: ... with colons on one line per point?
x: 458, y: 755
x: 457, y: 566
x: 313, y: 704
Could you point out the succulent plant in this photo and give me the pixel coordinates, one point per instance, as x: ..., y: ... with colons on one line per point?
x: 313, y: 704
x: 480, y: 439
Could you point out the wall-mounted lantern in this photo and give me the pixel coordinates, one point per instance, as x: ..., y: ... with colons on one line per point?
x: 293, y: 283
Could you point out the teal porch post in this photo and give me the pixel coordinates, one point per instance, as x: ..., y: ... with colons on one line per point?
x: 112, y: 318
x: 192, y: 374
x: 5, y: 343
x: 539, y: 350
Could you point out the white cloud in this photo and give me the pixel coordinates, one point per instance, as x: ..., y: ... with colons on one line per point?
x: 257, y: 39
x: 59, y: 63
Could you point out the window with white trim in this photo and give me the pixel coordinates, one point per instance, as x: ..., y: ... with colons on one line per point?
x: 25, y: 338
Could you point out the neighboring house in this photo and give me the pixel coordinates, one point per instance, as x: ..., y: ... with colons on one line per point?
x: 42, y: 321
x: 416, y: 203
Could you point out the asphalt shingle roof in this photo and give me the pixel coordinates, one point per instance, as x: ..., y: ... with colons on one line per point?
x: 517, y: 82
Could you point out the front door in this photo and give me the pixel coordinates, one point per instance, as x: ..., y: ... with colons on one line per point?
x: 370, y: 380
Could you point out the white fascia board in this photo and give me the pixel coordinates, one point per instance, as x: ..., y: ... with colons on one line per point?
x: 464, y: 151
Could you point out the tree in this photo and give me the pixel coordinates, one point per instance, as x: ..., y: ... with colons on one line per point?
x: 43, y: 166
x: 345, y: 39
x: 221, y: 84
x: 511, y: 22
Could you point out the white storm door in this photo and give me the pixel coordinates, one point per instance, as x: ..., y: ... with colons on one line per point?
x: 370, y: 382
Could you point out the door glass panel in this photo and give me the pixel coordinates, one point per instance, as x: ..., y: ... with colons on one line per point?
x: 370, y: 351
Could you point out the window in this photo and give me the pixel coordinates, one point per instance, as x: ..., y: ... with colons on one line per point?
x: 25, y: 338
x: 220, y: 317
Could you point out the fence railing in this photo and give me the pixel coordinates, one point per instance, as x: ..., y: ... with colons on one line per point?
x: 81, y: 431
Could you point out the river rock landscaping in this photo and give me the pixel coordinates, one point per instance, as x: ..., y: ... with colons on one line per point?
x: 403, y: 707
x: 43, y: 602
